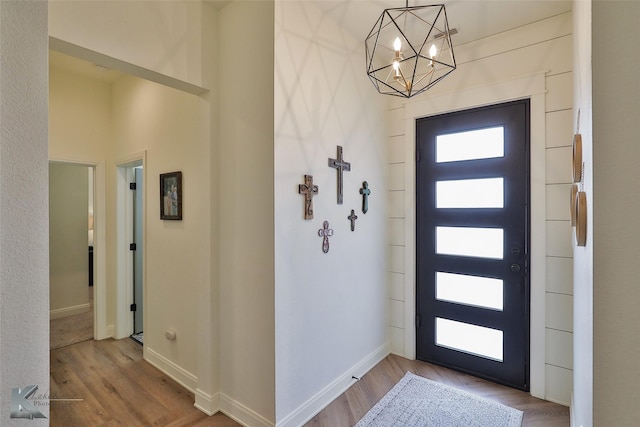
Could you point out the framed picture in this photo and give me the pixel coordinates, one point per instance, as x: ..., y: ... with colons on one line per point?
x: 171, y: 195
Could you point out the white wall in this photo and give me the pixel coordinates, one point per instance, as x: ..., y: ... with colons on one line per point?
x: 68, y: 239
x: 171, y: 126
x: 161, y: 36
x: 24, y: 227
x: 582, y: 404
x: 541, y: 47
x: 245, y: 174
x: 331, y: 308
x: 616, y: 342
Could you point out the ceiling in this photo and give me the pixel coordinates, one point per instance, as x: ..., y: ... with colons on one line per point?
x: 473, y: 19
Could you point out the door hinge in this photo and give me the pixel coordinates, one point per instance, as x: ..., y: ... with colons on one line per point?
x: 133, y: 307
x: 418, y: 323
x: 417, y: 155
x: 132, y: 186
x: 132, y: 246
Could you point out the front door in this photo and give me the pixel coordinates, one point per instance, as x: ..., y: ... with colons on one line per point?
x: 472, y: 242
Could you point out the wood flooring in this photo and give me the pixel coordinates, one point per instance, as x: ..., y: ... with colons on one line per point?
x: 119, y: 388
x: 348, y: 408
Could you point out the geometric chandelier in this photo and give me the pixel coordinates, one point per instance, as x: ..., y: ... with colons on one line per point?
x: 409, y: 50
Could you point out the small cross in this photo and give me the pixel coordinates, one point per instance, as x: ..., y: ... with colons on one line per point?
x: 352, y: 218
x: 365, y: 196
x: 341, y: 166
x: 309, y: 190
x: 325, y: 232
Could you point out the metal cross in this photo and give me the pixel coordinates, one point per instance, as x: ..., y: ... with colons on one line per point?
x: 352, y: 218
x: 325, y: 232
x: 309, y: 190
x: 340, y: 165
x: 365, y: 196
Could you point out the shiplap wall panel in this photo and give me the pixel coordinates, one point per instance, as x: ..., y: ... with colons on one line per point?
x: 559, y: 383
x: 397, y: 259
x: 395, y: 149
x: 559, y: 348
x: 555, y: 30
x: 560, y: 275
x: 396, y: 122
x: 396, y: 204
x: 559, y: 92
x: 560, y: 129
x: 397, y: 287
x: 559, y: 165
x: 558, y: 196
x: 559, y: 312
x: 396, y: 314
x: 396, y: 176
x: 396, y: 231
x: 559, y: 239
x: 396, y: 337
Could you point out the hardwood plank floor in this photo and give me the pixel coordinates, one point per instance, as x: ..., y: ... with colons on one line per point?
x: 349, y: 407
x: 119, y: 388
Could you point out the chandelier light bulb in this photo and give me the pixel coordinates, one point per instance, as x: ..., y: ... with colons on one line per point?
x: 397, y: 44
x: 433, y: 51
x: 396, y: 67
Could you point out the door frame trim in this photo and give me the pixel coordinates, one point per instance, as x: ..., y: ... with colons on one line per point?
x: 124, y: 229
x: 532, y: 87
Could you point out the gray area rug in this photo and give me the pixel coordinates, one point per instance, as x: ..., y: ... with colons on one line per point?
x: 418, y: 402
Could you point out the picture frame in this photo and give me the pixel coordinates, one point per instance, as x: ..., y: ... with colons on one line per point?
x: 171, y: 196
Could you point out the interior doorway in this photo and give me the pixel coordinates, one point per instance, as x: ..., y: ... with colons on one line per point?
x: 472, y: 242
x: 137, y: 306
x: 130, y: 240
x: 71, y: 250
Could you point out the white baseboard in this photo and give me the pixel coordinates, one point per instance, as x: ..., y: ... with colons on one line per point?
x: 324, y: 397
x: 183, y: 377
x: 107, y: 332
x: 209, y: 404
x: 242, y: 414
x: 69, y: 311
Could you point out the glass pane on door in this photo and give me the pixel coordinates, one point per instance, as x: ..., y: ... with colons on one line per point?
x: 468, y: 338
x: 470, y: 241
x: 475, y: 291
x: 470, y: 193
x: 470, y: 145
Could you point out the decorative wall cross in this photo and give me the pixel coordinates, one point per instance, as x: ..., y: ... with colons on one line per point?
x: 365, y: 196
x: 352, y: 218
x: 341, y: 166
x: 325, y: 232
x: 309, y: 190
